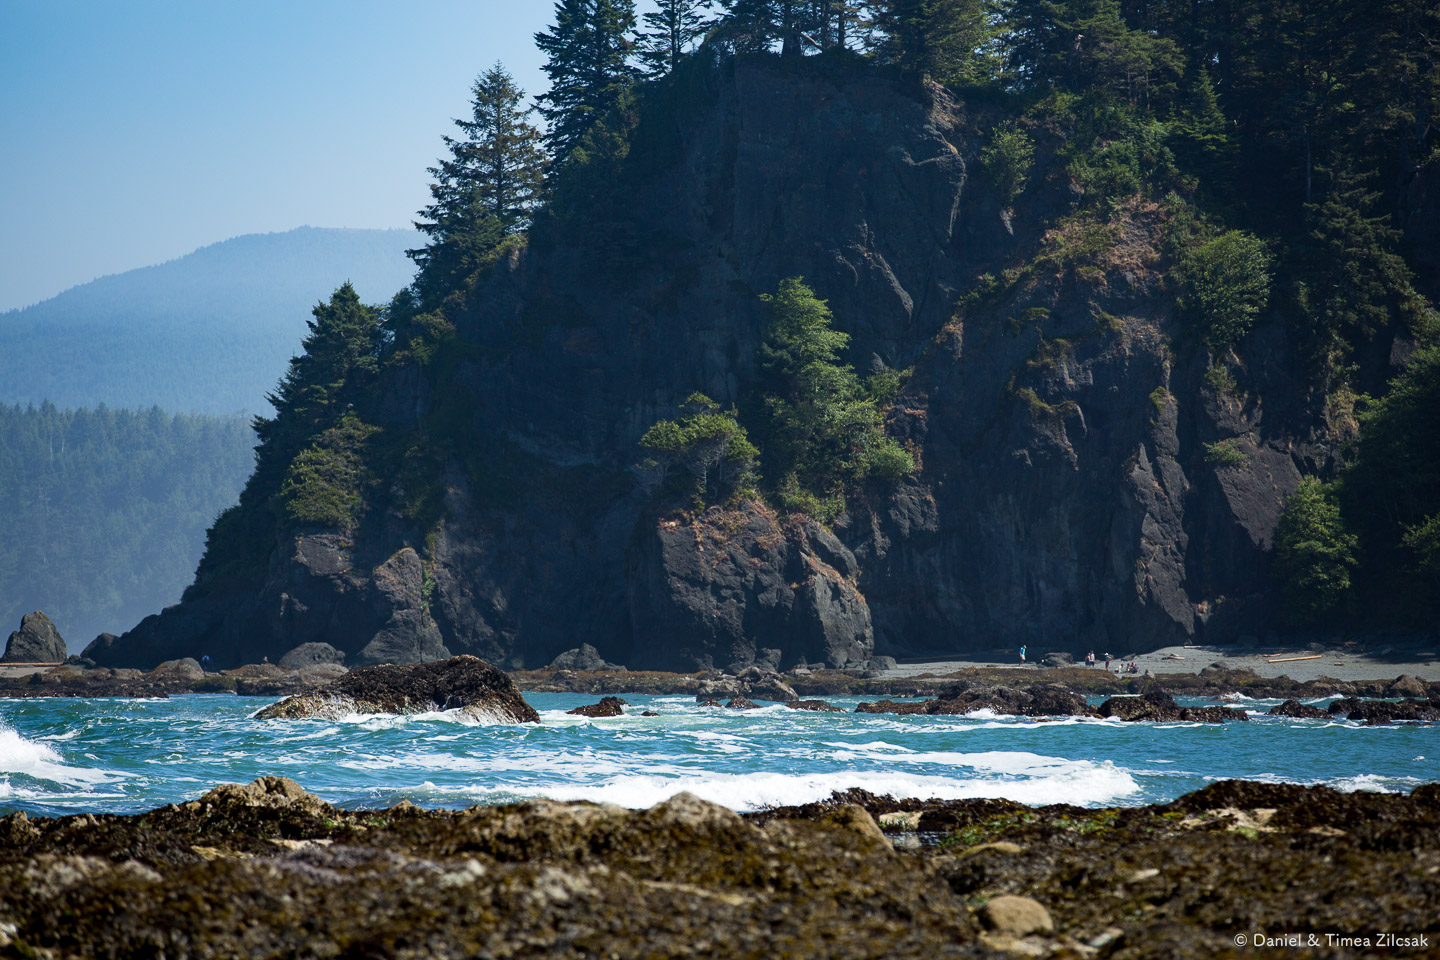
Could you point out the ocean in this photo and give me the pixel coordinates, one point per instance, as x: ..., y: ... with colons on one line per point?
x: 67, y: 756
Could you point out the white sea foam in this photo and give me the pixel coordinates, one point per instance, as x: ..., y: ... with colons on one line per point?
x: 40, y: 761
x: 1080, y: 782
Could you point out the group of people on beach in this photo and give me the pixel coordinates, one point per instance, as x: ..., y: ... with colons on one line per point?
x: 1131, y: 667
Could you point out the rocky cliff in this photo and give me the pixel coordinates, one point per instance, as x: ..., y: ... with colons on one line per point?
x: 1086, y: 478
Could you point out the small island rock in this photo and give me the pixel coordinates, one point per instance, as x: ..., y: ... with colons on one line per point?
x: 464, y: 683
x: 37, y: 641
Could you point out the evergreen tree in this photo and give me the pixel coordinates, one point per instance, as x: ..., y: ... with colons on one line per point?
x: 753, y: 26
x: 670, y: 32
x: 1314, y: 554
x: 344, y: 341
x: 1086, y: 46
x: 587, y: 54
x: 941, y: 39
x: 487, y: 188
x: 1353, y: 283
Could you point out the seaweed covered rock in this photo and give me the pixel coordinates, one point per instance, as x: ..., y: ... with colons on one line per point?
x: 1159, y: 707
x: 1040, y: 700
x: 37, y: 641
x: 264, y: 871
x: 818, y: 706
x: 607, y: 707
x: 1301, y: 711
x: 1377, y: 712
x: 461, y: 683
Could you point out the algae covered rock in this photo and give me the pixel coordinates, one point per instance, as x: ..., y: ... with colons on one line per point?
x: 461, y: 683
x: 607, y: 707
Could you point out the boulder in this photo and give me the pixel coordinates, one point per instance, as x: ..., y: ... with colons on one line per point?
x: 1012, y: 916
x: 1406, y: 685
x: 279, y: 793
x: 1294, y: 708
x: 37, y: 641
x: 819, y: 706
x: 881, y: 664
x: 584, y: 658
x: 740, y: 703
x: 183, y: 670
x: 311, y: 655
x: 771, y: 688
x: 607, y: 707
x: 461, y: 683
x: 1057, y: 658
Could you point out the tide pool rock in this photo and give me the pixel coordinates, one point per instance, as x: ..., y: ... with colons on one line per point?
x: 37, y: 641
x: 1014, y: 916
x: 607, y: 707
x: 311, y: 655
x: 465, y: 683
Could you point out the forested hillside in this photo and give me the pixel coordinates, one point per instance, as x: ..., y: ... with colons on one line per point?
x: 888, y: 327
x: 209, y: 332
x: 104, y: 511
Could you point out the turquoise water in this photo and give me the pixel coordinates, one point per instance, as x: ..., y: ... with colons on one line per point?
x: 121, y: 756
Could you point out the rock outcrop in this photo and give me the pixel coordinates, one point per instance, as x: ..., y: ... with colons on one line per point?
x: 607, y: 707
x: 1040, y: 700
x: 1298, y: 710
x: 1158, y: 707
x: 1066, y: 488
x: 37, y: 641
x: 466, y: 684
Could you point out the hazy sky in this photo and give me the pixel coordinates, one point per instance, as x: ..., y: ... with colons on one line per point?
x: 133, y: 132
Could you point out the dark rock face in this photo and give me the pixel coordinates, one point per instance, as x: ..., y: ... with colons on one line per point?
x: 713, y: 590
x: 1294, y: 708
x: 1066, y: 490
x: 607, y: 707
x: 465, y: 683
x: 1041, y: 700
x: 37, y: 641
x: 1159, y: 707
x: 740, y: 703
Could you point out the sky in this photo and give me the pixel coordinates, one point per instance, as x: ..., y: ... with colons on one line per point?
x: 134, y: 132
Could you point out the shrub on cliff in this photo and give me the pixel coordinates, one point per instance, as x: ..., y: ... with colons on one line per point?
x: 1314, y: 554
x: 708, y: 443
x: 1227, y: 285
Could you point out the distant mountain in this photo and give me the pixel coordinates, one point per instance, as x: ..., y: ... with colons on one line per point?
x: 209, y: 332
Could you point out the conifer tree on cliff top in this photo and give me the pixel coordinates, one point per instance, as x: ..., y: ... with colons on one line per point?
x: 487, y: 188
x: 669, y: 33
x: 588, y: 51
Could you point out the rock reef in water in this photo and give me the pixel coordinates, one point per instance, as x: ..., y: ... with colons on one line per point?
x: 468, y: 684
x: 266, y: 869
x: 37, y: 641
x: 607, y: 707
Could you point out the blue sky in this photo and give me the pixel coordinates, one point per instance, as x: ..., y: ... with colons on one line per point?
x: 133, y: 132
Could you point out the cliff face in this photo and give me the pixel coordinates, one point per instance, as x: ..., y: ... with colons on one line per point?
x: 1067, y: 495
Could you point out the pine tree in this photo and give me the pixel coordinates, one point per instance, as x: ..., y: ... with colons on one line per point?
x: 671, y: 31
x: 936, y: 38
x: 588, y: 51
x: 753, y: 26
x: 485, y: 189
x: 344, y: 341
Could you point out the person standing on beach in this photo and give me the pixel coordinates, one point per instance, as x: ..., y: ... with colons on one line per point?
x: 1090, y: 659
x: 1107, y: 662
x: 1022, y: 653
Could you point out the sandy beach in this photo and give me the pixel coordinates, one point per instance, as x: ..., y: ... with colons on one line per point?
x: 1342, y: 661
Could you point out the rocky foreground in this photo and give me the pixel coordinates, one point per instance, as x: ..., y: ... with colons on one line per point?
x: 269, y: 870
